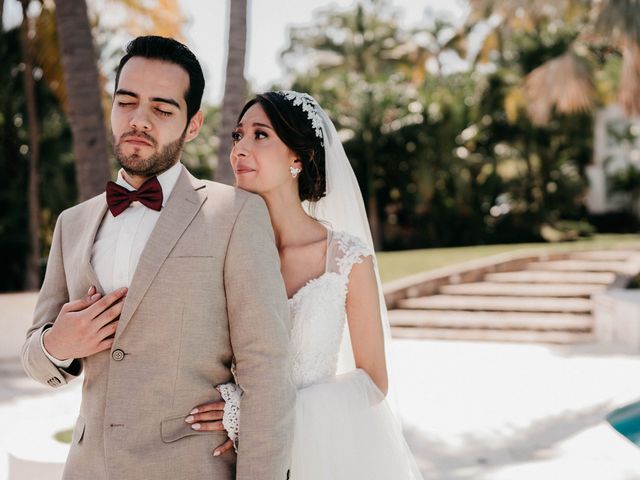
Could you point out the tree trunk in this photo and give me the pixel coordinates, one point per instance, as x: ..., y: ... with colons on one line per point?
x: 84, y: 97
x: 234, y: 87
x: 374, y: 221
x: 32, y: 277
x: 370, y: 161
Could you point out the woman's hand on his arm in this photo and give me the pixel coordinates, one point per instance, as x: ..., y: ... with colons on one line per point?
x: 208, y: 418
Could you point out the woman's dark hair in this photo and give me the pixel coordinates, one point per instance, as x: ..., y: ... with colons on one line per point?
x: 169, y: 50
x: 293, y: 127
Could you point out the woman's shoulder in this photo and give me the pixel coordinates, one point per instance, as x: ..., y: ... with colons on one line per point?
x: 348, y: 242
x: 348, y: 249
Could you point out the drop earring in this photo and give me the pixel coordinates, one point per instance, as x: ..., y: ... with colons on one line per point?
x: 294, y: 171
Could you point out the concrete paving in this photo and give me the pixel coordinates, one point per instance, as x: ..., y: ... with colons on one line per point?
x: 520, y: 289
x: 496, y: 303
x: 491, y: 320
x: 586, y: 266
x: 525, y: 276
x: 541, y: 299
x: 493, y: 411
x: 471, y: 410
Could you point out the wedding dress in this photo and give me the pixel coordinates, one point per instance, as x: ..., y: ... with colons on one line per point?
x: 344, y: 427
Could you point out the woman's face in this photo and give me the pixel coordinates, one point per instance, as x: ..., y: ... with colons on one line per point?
x: 260, y: 160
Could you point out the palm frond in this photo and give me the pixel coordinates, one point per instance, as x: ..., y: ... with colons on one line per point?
x: 157, y: 17
x: 564, y: 83
x: 490, y: 44
x: 629, y: 89
x: 47, y: 53
x: 619, y: 19
x: 514, y: 101
x: 523, y: 11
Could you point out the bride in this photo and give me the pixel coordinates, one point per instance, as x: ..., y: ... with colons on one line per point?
x: 287, y: 150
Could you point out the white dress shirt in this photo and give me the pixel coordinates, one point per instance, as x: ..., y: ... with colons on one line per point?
x: 120, y: 241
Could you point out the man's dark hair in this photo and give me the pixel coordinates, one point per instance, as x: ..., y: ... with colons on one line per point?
x: 169, y: 50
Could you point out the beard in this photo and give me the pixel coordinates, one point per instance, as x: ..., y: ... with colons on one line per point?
x: 156, y: 163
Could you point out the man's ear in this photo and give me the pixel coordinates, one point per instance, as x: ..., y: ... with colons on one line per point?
x: 195, y: 124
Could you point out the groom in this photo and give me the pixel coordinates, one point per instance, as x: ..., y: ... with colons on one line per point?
x: 155, y: 288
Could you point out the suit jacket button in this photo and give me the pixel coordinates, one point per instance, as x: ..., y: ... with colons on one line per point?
x: 118, y: 355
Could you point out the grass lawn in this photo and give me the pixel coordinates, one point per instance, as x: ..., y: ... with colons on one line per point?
x: 64, y: 436
x: 395, y: 265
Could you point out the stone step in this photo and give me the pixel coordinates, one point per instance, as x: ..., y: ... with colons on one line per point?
x: 497, y: 303
x: 562, y: 338
x: 491, y: 320
x: 583, y: 266
x: 532, y: 276
x: 604, y: 255
x: 523, y: 289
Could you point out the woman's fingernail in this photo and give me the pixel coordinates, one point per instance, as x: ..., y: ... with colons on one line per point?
x: 189, y: 419
x: 194, y: 411
x: 95, y: 296
x: 196, y: 426
x: 216, y: 453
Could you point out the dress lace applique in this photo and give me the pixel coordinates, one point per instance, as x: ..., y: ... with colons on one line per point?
x: 354, y: 250
x: 318, y: 312
x: 231, y: 394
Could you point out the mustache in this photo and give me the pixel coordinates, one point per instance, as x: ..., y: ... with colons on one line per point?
x: 135, y: 133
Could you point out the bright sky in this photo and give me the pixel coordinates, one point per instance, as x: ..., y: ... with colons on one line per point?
x: 206, y: 32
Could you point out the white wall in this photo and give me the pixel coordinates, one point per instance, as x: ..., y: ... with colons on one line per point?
x: 609, y: 156
x: 617, y: 318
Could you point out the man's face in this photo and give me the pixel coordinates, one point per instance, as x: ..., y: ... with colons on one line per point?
x: 149, y: 116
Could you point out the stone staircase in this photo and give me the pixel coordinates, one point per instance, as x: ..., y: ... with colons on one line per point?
x: 528, y: 297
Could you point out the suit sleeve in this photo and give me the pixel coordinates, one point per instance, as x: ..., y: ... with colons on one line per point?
x: 53, y: 295
x: 260, y: 335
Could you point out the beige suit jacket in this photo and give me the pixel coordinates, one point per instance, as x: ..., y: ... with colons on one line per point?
x: 207, y: 289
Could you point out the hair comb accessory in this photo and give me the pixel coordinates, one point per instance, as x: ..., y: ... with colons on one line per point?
x: 309, y: 106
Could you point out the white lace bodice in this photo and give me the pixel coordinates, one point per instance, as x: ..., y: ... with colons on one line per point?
x: 318, y: 311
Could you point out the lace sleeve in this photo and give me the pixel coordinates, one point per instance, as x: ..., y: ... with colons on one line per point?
x: 352, y: 250
x: 231, y: 394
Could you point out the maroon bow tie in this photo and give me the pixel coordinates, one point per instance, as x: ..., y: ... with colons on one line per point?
x: 119, y: 198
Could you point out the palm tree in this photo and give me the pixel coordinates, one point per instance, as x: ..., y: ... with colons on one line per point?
x: 157, y: 17
x: 73, y: 68
x: 234, y: 87
x: 619, y: 20
x: 346, y: 58
x: 84, y: 100
x: 32, y: 277
x: 566, y: 83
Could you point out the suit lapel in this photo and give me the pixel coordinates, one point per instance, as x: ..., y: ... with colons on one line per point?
x: 185, y: 201
x: 93, y: 223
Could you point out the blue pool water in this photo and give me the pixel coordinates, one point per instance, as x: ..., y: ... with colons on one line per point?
x: 626, y: 420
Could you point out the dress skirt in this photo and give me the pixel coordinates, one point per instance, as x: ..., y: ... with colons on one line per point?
x: 345, y: 430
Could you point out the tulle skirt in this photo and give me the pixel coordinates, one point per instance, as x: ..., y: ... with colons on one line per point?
x: 346, y: 431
